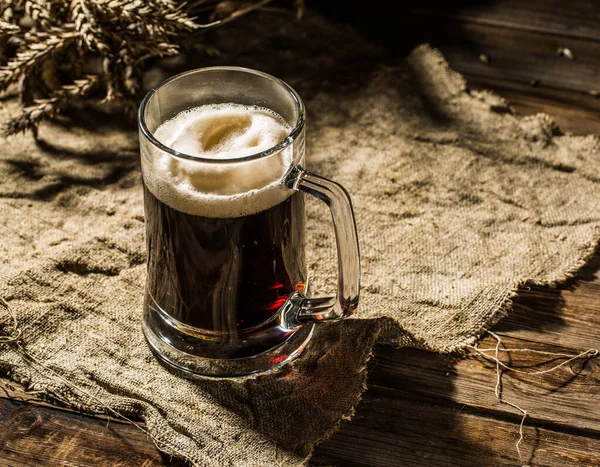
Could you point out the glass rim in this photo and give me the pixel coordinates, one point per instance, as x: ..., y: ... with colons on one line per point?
x: 287, y: 141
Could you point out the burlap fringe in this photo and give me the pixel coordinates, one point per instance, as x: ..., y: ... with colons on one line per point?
x: 501, y: 367
x: 14, y: 338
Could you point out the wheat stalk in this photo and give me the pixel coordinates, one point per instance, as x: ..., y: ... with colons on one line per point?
x: 166, y: 16
x: 59, y: 51
x: 8, y: 28
x: 85, y: 23
x: 39, y: 11
x: 48, y: 108
x: 33, y: 53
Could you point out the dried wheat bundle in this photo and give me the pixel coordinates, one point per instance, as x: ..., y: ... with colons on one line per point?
x: 55, y: 52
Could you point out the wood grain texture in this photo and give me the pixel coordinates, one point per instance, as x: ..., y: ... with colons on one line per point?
x: 520, y: 42
x: 574, y: 112
x: 517, y: 55
x: 547, y: 17
x: 38, y: 436
x: 387, y: 431
x: 392, y: 432
x: 565, y: 399
x: 567, y: 316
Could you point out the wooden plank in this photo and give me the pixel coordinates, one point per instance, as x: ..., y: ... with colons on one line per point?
x: 386, y: 431
x: 515, y: 52
x: 574, y: 112
x: 578, y: 19
x: 563, y: 320
x: 567, y: 316
x: 520, y: 56
x: 516, y: 58
x: 38, y: 436
x: 565, y: 399
x: 392, y: 432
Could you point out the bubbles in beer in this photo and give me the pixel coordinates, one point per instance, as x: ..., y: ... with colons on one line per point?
x: 219, y: 131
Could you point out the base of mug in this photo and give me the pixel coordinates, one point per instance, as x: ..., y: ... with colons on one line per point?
x: 270, y: 359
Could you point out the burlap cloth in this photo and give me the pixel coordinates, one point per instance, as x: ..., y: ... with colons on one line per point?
x: 458, y: 201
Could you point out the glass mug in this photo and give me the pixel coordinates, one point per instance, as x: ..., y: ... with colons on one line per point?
x: 227, y: 286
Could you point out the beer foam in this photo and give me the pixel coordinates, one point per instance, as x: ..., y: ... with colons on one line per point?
x: 219, y: 131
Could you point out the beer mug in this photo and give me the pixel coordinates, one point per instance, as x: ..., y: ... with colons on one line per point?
x: 227, y: 289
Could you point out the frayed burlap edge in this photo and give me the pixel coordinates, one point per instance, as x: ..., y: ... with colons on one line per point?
x: 56, y: 393
x: 68, y: 396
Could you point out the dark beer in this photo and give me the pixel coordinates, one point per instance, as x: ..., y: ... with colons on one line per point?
x: 221, y: 266
x: 224, y: 275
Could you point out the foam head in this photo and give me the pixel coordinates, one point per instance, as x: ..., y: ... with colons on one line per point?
x: 219, y: 131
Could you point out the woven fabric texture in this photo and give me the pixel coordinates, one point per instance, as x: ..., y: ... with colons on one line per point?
x: 458, y: 201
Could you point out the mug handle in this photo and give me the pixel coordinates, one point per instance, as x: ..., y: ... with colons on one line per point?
x: 300, y: 309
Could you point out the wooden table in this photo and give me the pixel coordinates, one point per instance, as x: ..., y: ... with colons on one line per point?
x: 422, y: 409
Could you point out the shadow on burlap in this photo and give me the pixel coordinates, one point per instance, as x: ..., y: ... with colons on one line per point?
x: 458, y: 201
